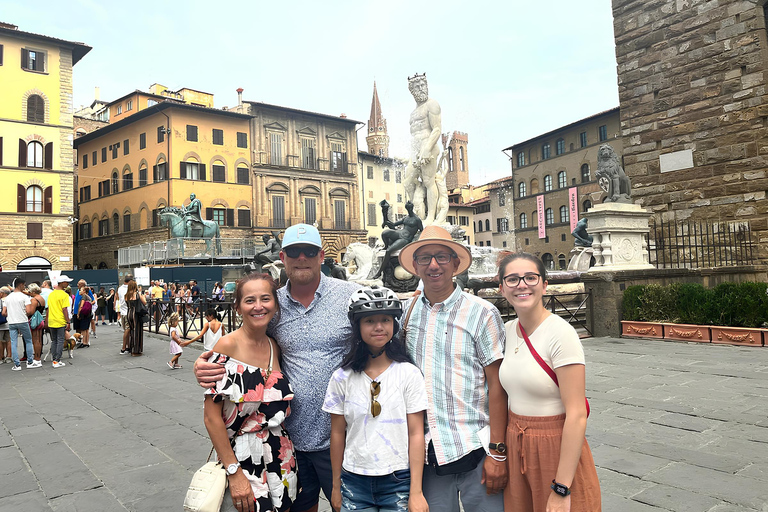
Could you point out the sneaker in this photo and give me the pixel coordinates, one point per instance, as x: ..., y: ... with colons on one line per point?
x: 170, y: 365
x: 35, y: 364
x: 2, y: 361
x: 123, y: 352
x: 177, y: 367
x: 8, y: 360
x: 103, y: 323
x: 93, y: 334
x: 58, y: 364
x: 16, y: 368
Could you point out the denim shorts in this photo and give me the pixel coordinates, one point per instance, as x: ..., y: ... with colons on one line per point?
x: 361, y: 493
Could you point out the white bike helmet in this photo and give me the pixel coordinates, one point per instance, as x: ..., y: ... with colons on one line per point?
x: 374, y: 301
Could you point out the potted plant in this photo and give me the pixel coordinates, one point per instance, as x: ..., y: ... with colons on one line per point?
x: 692, y: 304
x: 741, y: 309
x: 641, y: 312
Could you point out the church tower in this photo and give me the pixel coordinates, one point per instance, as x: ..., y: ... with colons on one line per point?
x: 377, y: 139
x: 457, y: 160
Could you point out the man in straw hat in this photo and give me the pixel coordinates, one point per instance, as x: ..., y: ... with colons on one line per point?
x: 457, y: 340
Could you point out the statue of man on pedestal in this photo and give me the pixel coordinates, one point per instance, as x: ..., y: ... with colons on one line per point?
x: 420, y: 181
x: 192, y: 213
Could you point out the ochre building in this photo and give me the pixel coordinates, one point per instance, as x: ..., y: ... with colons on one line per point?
x: 36, y: 164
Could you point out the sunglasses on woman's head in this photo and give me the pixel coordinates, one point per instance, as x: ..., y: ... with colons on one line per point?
x: 294, y: 252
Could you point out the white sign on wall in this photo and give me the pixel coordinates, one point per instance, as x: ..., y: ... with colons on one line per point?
x: 676, y: 161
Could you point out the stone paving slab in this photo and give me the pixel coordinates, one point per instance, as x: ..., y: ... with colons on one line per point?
x: 674, y: 427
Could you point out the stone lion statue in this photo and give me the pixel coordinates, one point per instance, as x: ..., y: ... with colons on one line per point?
x: 611, y: 176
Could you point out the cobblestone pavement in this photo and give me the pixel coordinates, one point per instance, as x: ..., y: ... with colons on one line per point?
x: 674, y: 426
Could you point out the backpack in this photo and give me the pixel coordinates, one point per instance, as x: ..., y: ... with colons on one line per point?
x: 36, y: 320
x: 85, y: 306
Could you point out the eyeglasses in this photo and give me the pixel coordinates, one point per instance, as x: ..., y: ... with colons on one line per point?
x: 294, y: 252
x: 375, y: 405
x: 530, y: 279
x: 441, y: 258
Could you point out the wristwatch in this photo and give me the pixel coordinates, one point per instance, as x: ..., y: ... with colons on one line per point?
x: 499, y: 447
x: 560, y: 489
x: 232, y: 468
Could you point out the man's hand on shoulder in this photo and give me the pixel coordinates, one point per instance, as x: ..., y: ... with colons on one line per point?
x: 207, y: 374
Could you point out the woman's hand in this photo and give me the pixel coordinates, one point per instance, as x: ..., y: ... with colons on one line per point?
x: 336, y: 498
x: 557, y: 503
x: 417, y: 503
x: 242, y: 494
x: 208, y: 374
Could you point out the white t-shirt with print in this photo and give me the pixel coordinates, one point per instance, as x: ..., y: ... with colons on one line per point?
x: 376, y: 446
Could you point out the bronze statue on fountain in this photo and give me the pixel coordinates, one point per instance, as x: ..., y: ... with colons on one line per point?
x: 395, y: 239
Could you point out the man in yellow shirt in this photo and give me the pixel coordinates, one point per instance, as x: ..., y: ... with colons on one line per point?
x: 57, y: 318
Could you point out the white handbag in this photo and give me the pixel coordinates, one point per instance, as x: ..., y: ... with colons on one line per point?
x: 206, y: 491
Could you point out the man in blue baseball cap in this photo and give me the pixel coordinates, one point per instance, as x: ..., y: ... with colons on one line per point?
x: 312, y: 333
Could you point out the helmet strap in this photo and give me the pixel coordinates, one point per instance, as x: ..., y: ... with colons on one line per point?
x: 383, y: 349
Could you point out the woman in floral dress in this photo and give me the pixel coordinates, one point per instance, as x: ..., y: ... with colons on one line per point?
x: 244, y: 413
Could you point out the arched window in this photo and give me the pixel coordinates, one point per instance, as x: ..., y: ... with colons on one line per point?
x: 564, y: 214
x: 487, y: 225
x: 534, y: 186
x: 143, y: 175
x: 535, y: 218
x: 479, y: 226
x: 523, y: 221
x: 115, y: 224
x: 585, y: 173
x: 35, y: 109
x: 547, y: 183
x: 549, y: 262
x: 450, y: 159
x: 545, y: 151
x: 549, y: 217
x: 127, y: 180
x: 115, y: 188
x: 521, y: 189
x: 34, y: 199
x: 561, y: 183
x: 461, y: 158
x: 35, y: 154
x: 561, y: 262
x: 586, y: 205
x: 559, y: 147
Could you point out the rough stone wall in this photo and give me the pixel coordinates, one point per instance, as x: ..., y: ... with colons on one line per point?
x: 56, y: 242
x: 102, y: 248
x: 692, y: 76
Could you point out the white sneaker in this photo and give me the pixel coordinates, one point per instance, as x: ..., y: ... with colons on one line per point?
x: 16, y: 368
x: 8, y: 360
x: 2, y: 361
x: 58, y: 364
x: 35, y: 364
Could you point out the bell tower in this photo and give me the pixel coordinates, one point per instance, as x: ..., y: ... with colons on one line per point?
x: 377, y: 139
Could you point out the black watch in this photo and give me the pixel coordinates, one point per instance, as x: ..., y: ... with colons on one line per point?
x: 499, y: 447
x: 560, y: 489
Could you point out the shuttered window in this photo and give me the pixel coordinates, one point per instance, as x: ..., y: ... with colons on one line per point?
x: 143, y: 176
x: 276, y: 148
x: 218, y: 174
x: 244, y: 218
x: 85, y: 161
x: 35, y: 109
x: 278, y: 211
x: 126, y: 222
x: 142, y: 140
x: 307, y: 153
x: 218, y: 137
x: 340, y: 215
x: 191, y: 133
x: 125, y: 147
x: 160, y: 134
x: 371, y: 214
x: 310, y: 210
x: 160, y: 172
x: 242, y: 140
x: 34, y: 230
x: 242, y: 176
x: 338, y: 157
x: 33, y: 60
x: 219, y: 216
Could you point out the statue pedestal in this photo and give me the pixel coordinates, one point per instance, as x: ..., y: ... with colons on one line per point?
x: 581, y: 258
x: 619, y: 231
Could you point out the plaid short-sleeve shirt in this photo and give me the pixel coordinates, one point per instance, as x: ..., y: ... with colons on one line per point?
x: 452, y: 342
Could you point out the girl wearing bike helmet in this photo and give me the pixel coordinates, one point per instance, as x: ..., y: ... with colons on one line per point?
x: 377, y: 401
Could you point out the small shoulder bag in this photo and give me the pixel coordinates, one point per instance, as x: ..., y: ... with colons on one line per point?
x: 544, y: 366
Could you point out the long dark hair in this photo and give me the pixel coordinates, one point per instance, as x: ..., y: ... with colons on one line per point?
x: 357, y: 357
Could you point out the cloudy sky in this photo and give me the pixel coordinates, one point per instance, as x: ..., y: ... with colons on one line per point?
x: 502, y: 71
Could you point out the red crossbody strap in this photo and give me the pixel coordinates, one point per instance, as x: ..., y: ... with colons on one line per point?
x: 537, y: 357
x: 545, y: 366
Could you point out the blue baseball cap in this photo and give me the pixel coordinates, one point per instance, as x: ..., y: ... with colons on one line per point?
x: 302, y: 234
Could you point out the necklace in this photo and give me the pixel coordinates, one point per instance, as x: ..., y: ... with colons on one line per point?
x: 374, y: 356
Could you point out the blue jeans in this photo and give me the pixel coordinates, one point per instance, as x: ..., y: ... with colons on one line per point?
x: 361, y: 493
x: 57, y: 342
x: 26, y: 333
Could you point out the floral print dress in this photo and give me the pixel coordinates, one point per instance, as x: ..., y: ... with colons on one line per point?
x: 256, y: 402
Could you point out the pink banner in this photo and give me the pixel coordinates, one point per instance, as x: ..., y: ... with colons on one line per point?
x: 540, y: 215
x: 573, y: 206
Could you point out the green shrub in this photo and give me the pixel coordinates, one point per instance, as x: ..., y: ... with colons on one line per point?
x: 630, y: 305
x: 748, y: 306
x: 658, y: 303
x: 693, y: 303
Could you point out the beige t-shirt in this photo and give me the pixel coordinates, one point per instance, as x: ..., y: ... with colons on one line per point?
x: 530, y: 390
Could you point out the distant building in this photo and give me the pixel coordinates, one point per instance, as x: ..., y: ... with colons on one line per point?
x: 457, y: 160
x: 377, y: 138
x: 548, y: 167
x: 381, y: 179
x: 36, y: 163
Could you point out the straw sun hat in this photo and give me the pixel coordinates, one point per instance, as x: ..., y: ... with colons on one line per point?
x: 439, y: 236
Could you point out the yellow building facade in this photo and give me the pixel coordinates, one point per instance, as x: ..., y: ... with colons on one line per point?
x: 381, y: 178
x: 36, y: 162
x: 154, y: 158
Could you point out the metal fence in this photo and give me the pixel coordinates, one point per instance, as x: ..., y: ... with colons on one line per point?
x: 241, y: 250
x: 701, y: 244
x: 191, y: 316
x: 575, y: 308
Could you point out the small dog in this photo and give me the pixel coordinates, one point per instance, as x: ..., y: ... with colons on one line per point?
x: 69, y: 344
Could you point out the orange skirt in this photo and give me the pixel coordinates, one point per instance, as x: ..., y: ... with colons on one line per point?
x: 533, y: 446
